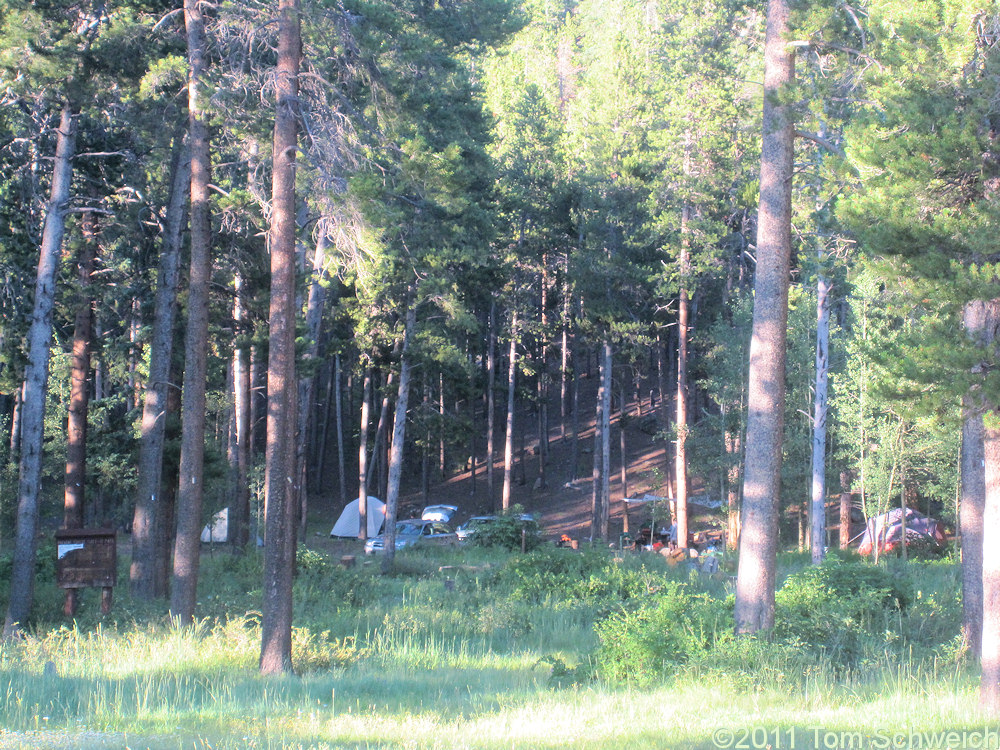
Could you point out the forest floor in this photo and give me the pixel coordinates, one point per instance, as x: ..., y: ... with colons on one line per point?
x: 562, y: 505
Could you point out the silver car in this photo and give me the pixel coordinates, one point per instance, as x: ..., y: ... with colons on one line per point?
x: 415, y: 532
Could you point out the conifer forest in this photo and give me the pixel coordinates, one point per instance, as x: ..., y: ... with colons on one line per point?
x: 272, y: 257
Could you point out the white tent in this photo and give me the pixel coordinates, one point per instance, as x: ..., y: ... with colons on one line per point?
x: 349, y: 522
x: 218, y: 530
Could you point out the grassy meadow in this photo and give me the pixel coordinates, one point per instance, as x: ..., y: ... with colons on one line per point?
x: 480, y: 648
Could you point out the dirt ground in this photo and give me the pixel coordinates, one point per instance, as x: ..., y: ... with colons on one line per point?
x: 562, y: 506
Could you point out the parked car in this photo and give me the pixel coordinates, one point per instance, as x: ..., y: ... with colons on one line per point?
x: 414, y: 532
x: 442, y: 513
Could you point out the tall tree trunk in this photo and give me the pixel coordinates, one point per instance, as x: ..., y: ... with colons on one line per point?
x: 973, y: 492
x: 473, y: 452
x: 282, y: 470
x: 754, y: 608
x: 989, y: 686
x: 15, y: 424
x: 134, y: 331
x: 79, y: 399
x: 378, y: 455
x: 491, y: 376
x: 819, y: 419
x: 398, y: 440
x: 845, y: 509
x: 574, y: 461
x: 147, y: 580
x: 508, y: 446
x: 732, y: 439
x: 239, y: 513
x: 307, y: 385
x: 441, y: 428
x: 22, y: 580
x: 595, y: 470
x: 339, y: 415
x: 605, y: 428
x: 680, y: 451
x: 564, y: 355
x: 971, y: 528
x: 623, y: 463
x: 363, y: 455
x: 187, y: 546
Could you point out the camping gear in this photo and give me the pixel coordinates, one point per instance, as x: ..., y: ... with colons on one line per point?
x: 887, y: 531
x: 349, y: 523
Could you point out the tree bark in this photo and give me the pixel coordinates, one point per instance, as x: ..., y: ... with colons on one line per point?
x: 973, y: 492
x: 845, y: 509
x: 147, y: 580
x: 398, y: 441
x: 819, y: 419
x: 622, y: 423
x: 307, y: 385
x: 754, y: 608
x: 491, y: 374
x: 363, y: 456
x: 79, y: 399
x: 239, y: 514
x: 22, y: 580
x: 15, y: 424
x: 187, y: 545
x: 508, y: 447
x: 282, y: 470
x: 732, y: 439
x: 339, y: 416
x: 989, y: 686
x: 680, y: 451
x: 605, y: 427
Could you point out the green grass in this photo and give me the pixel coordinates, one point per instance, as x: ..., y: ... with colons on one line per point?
x: 502, y: 656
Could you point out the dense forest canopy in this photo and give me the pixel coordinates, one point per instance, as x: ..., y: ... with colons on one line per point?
x: 492, y: 199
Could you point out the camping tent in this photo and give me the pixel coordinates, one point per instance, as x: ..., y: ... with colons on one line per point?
x: 888, y: 530
x: 218, y: 530
x: 349, y: 522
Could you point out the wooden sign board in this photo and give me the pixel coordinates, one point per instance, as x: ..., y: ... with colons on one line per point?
x: 86, y: 557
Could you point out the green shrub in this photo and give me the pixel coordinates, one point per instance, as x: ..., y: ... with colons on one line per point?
x: 842, y: 610
x: 512, y: 531
x: 668, y: 630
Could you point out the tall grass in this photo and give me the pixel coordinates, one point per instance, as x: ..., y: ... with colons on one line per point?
x: 489, y: 650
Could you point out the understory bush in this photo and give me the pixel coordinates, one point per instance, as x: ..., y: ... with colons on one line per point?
x: 555, y: 575
x: 845, y: 611
x: 512, y: 531
x: 665, y: 632
x: 836, y: 618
